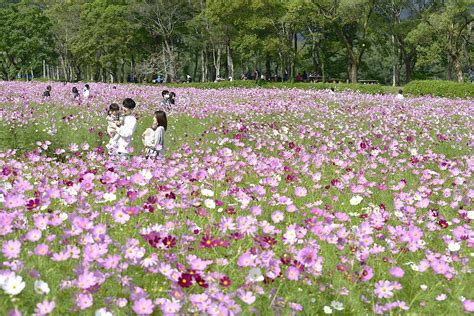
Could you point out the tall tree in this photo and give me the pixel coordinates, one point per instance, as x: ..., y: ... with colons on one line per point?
x: 351, y: 21
x: 445, y: 30
x: 25, y: 39
x: 167, y: 22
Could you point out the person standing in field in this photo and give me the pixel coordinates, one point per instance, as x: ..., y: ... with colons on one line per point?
x: 165, y: 103
x: 154, y: 137
x: 120, y: 143
x: 400, y: 96
x: 47, y: 93
x: 86, y: 92
x: 75, y: 93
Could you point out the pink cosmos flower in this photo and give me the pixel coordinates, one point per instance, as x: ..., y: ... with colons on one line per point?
x: 468, y: 306
x: 84, y: 300
x: 383, y: 289
x: 143, y: 306
x: 11, y: 249
x: 45, y: 307
x: 292, y: 273
x: 397, y: 272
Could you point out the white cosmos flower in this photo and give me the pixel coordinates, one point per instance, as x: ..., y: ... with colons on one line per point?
x: 210, y: 203
x: 14, y: 285
x: 470, y: 214
x: 147, y: 175
x: 103, y: 312
x: 207, y: 192
x: 454, y: 246
x: 255, y: 275
x: 337, y: 305
x: 41, y: 287
x: 355, y: 200
x: 109, y: 197
x: 327, y: 310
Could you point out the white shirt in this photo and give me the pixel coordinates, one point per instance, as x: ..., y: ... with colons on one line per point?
x: 155, y: 139
x: 399, y: 97
x: 124, y: 134
x: 86, y: 93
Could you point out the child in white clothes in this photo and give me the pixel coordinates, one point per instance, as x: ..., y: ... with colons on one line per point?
x: 120, y: 143
x: 114, y: 119
x: 154, y: 137
x: 86, y: 91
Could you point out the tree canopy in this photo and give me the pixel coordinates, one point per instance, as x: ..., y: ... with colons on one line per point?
x: 392, y: 41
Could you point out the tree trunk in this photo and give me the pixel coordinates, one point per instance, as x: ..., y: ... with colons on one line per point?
x: 196, y: 62
x: 44, y: 68
x: 230, y: 61
x: 354, y: 68
x: 458, y: 69
x: 268, y: 70
x: 295, y: 57
x: 203, y: 65
x: 217, y: 62
x: 395, y: 69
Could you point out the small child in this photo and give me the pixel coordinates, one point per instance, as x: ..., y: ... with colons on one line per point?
x: 399, y: 96
x: 47, y: 93
x: 75, y: 93
x: 114, y: 120
x: 154, y: 137
x: 86, y: 92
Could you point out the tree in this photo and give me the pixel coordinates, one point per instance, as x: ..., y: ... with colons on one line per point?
x: 107, y: 38
x: 166, y: 22
x: 350, y: 20
x: 445, y: 30
x: 25, y: 39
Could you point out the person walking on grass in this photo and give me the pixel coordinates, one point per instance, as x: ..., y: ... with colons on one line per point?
x: 120, y: 144
x: 154, y: 137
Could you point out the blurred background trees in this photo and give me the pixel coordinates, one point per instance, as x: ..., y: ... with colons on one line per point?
x: 392, y: 41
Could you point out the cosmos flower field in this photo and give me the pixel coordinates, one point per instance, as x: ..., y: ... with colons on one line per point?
x: 268, y: 202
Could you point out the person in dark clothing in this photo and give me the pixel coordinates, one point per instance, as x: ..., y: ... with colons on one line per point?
x: 47, y: 93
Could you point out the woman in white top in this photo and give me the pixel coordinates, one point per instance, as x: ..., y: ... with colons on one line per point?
x: 120, y: 143
x: 154, y: 138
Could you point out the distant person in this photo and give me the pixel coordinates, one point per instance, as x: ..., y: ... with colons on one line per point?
x: 120, y: 143
x: 188, y: 78
x: 400, y: 96
x: 165, y: 102
x: 256, y: 75
x: 86, y: 92
x: 47, y: 93
x: 154, y: 137
x: 471, y: 74
x: 75, y: 93
x: 114, y: 119
x: 305, y: 76
x: 332, y: 91
x: 172, y: 98
x: 298, y: 77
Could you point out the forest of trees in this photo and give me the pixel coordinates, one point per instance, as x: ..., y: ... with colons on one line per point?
x: 392, y: 41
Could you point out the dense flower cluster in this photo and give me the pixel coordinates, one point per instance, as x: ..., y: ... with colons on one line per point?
x: 289, y: 201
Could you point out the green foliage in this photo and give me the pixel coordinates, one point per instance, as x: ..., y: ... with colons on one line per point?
x: 364, y: 88
x: 25, y: 39
x: 440, y: 88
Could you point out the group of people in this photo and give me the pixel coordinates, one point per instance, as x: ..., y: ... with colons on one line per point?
x: 86, y: 92
x: 122, y: 123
